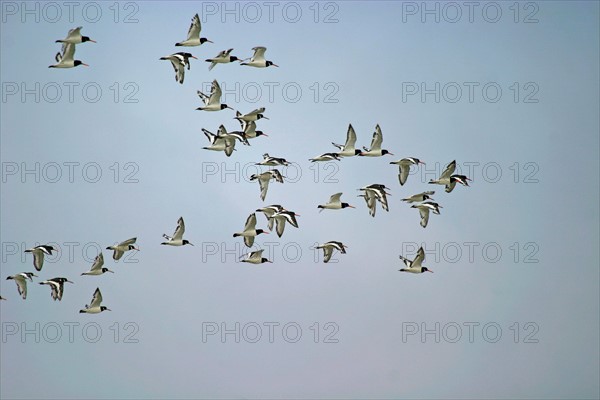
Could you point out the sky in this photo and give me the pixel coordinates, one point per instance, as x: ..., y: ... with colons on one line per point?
x: 95, y: 155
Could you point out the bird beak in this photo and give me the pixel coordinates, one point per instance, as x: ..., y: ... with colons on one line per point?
x: 265, y: 117
x: 70, y: 282
x: 351, y: 206
x: 266, y: 232
x: 275, y: 65
x: 209, y: 41
x: 108, y: 309
x: 85, y: 65
x: 421, y: 162
x: 191, y: 244
x: 229, y: 107
x: 93, y: 41
x: 391, y: 154
x: 430, y: 271
x: 108, y: 270
x: 195, y: 57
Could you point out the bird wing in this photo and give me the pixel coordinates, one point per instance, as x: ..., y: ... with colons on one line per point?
x: 327, y: 253
x: 98, y: 262
x: 250, y: 223
x: 280, y: 225
x: 117, y: 254
x: 350, y: 138
x: 248, y: 241
x: 96, y: 299
x: 259, y: 54
x: 263, y: 181
x: 256, y: 112
x: 449, y: 170
x: 68, y: 52
x: 419, y: 258
x: 229, y: 145
x: 450, y: 186
x: 424, y: 211
x: 335, y: 198
x: 178, y: 235
x: 215, y: 94
x: 377, y: 139
x: 38, y: 260
x: 73, y: 33
x: 21, y: 286
x: 127, y: 242
x: 195, y: 28
x: 179, y: 70
x: 403, y: 173
x: 255, y: 255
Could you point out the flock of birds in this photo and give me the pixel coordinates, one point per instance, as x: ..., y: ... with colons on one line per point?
x: 225, y: 141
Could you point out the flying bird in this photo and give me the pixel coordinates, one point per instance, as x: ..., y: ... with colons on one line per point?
x: 255, y: 257
x: 281, y: 217
x: 65, y: 59
x: 94, y: 307
x: 249, y: 129
x: 177, y: 238
x: 223, y: 57
x: 21, y: 281
x: 74, y: 37
x: 414, y: 266
x: 419, y: 197
x: 404, y: 167
x: 212, y: 102
x: 444, y: 178
x: 179, y: 62
x: 326, y: 157
x: 258, y: 59
x: 379, y: 191
x: 264, y: 179
x: 193, y: 38
x: 97, y: 268
x: 424, y: 209
x: 57, y: 287
x: 269, y: 211
x: 220, y: 141
x: 38, y: 254
x: 121, y: 248
x: 334, y: 203
x: 250, y: 231
x: 375, y: 150
x: 329, y: 247
x: 272, y: 161
x: 253, y: 115
x: 371, y: 201
x: 348, y: 150
x: 462, y: 179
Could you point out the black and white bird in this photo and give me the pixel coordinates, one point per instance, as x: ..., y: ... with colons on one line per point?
x: 348, y: 149
x: 179, y: 62
x: 269, y: 211
x: 420, y: 197
x: 64, y: 58
x: 94, y: 307
x: 56, y: 286
x: 329, y: 247
x: 21, y: 281
x: 223, y: 57
x: 74, y: 37
x: 97, y: 267
x: 414, y: 266
x: 38, y: 254
x: 462, y: 179
x: 334, y: 203
x: 281, y: 217
x: 326, y: 157
x: 404, y: 167
x: 444, y: 178
x: 258, y: 59
x: 121, y: 248
x: 221, y: 141
x: 249, y: 129
x: 371, y: 201
x: 250, y: 231
x: 425, y: 208
x: 379, y: 191
x: 375, y: 150
x: 193, y: 38
x: 177, y: 238
x: 264, y: 179
x: 255, y: 257
x: 273, y: 161
x: 253, y: 115
x: 212, y: 102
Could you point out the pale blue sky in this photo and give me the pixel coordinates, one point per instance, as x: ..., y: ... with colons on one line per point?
x: 362, y: 62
